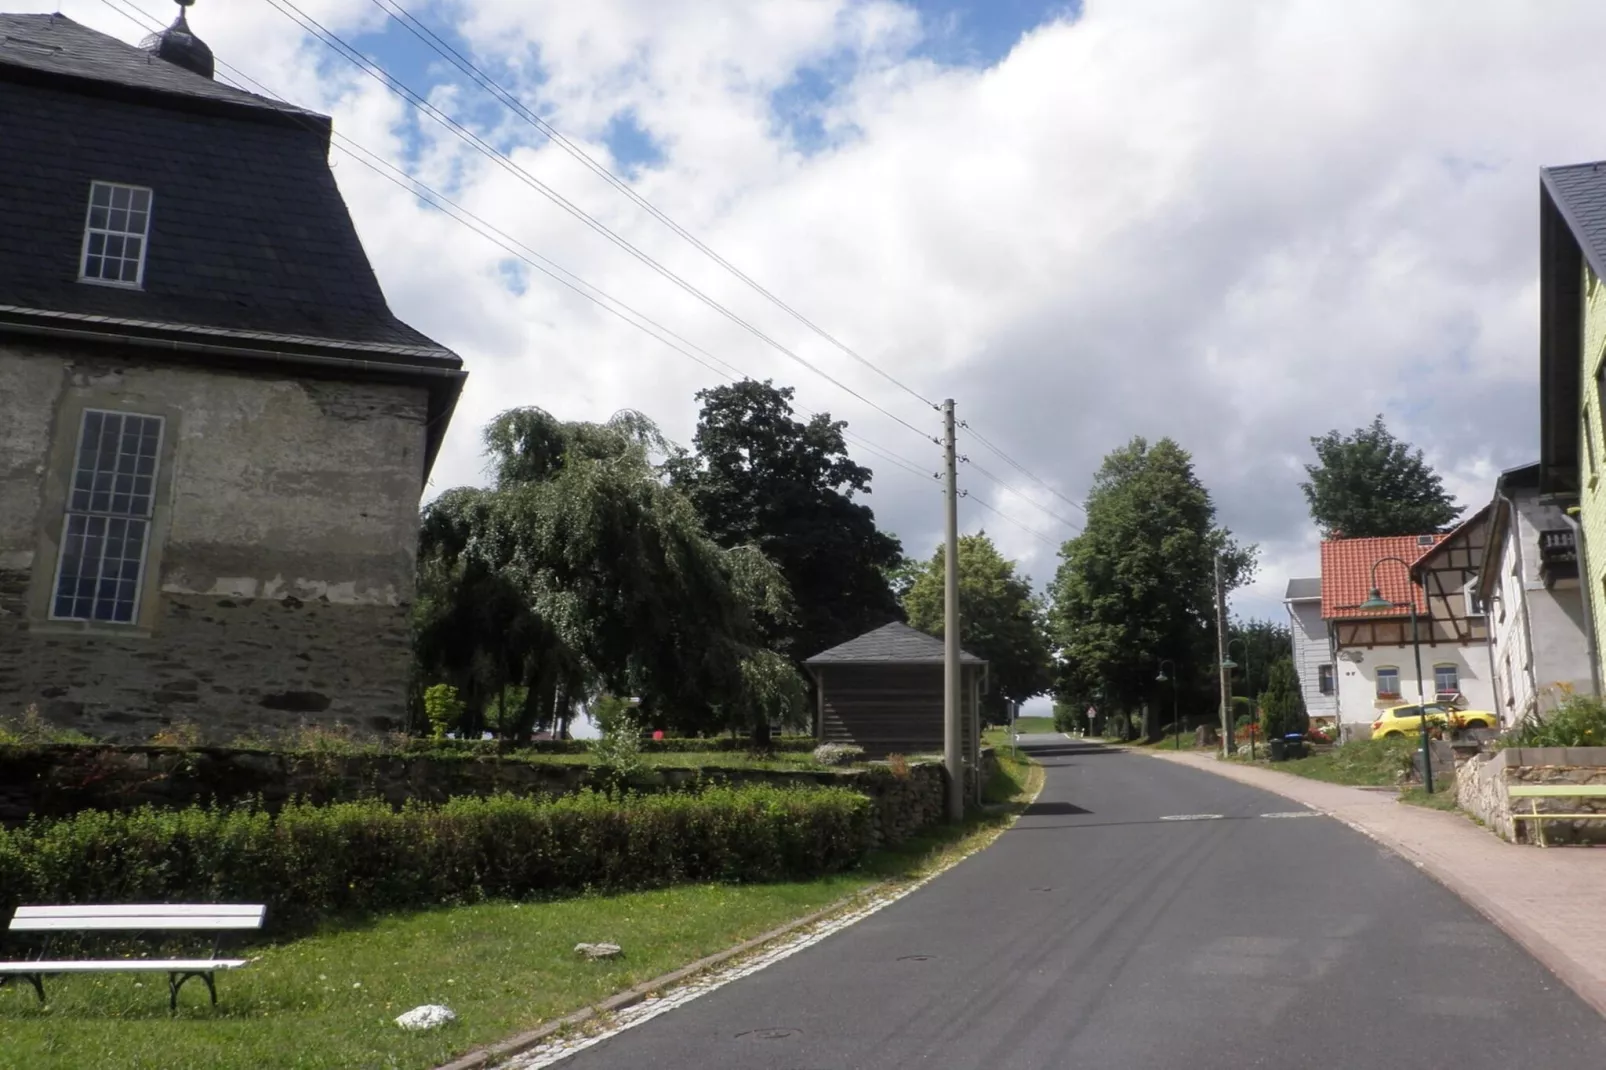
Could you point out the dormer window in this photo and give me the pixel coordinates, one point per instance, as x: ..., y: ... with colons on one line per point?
x: 114, y: 235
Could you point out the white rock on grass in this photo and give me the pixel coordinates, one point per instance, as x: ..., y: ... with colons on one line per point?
x: 598, y: 951
x: 429, y: 1016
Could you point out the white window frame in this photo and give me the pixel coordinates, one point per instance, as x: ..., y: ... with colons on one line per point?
x: 1326, y: 680
x: 1377, y: 681
x: 1453, y: 667
x: 108, y: 232
x: 148, y: 518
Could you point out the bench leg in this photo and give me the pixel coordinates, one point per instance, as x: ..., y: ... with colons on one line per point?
x: 35, y: 979
x: 1539, y: 821
x: 175, y: 981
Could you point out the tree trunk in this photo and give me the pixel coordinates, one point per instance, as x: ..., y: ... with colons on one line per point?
x: 761, y: 741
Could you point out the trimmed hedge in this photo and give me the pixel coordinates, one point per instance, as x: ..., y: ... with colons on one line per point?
x: 689, y: 745
x: 308, y: 862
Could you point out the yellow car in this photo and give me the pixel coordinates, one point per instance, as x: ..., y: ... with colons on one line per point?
x: 1407, y: 720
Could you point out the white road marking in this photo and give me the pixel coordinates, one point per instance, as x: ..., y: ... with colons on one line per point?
x: 1295, y: 813
x: 1193, y: 817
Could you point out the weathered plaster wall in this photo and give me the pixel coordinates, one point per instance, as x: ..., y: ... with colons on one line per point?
x: 1538, y: 632
x: 282, y: 553
x: 1357, y: 680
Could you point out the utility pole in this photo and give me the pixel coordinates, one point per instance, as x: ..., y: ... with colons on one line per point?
x: 952, y: 697
x: 1221, y: 656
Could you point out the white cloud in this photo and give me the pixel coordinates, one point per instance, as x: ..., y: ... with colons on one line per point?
x: 1238, y: 224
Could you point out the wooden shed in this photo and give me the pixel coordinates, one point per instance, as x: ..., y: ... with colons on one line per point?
x: 884, y: 692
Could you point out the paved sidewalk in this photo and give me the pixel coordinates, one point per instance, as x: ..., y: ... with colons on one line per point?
x: 1547, y: 899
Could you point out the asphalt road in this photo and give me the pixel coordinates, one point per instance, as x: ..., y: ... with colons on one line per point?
x: 1096, y: 935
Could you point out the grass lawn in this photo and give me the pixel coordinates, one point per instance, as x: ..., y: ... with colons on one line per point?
x: 329, y: 1000
x: 1363, y: 763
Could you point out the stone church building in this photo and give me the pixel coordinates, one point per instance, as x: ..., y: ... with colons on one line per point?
x: 213, y: 432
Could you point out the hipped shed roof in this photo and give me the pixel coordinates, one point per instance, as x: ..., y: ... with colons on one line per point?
x: 891, y: 644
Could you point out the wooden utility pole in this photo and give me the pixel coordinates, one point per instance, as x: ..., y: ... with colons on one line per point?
x: 1221, y: 656
x: 952, y: 697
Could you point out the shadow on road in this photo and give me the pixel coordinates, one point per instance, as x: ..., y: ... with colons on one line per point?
x: 1059, y: 750
x: 1053, y: 809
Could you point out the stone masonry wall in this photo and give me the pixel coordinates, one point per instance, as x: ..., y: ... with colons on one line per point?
x: 58, y: 780
x: 280, y: 570
x: 1483, y: 790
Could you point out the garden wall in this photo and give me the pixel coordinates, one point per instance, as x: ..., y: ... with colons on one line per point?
x: 59, y: 780
x: 1483, y: 790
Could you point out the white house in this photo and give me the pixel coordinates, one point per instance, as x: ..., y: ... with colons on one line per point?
x: 1377, y: 656
x: 1313, y: 654
x: 1529, y: 586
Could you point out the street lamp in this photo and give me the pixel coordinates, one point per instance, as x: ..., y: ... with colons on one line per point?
x: 1375, y: 601
x: 1227, y: 665
x: 1248, y: 686
x: 1176, y: 727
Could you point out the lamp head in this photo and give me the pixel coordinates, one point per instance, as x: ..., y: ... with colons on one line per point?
x: 1375, y: 601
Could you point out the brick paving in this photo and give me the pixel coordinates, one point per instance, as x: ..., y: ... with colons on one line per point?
x: 1549, y: 900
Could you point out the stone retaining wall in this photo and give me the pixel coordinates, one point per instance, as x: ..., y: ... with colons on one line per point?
x: 58, y: 780
x: 1483, y: 790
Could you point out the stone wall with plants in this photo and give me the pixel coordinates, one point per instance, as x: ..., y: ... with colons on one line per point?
x: 1483, y: 790
x: 59, y: 780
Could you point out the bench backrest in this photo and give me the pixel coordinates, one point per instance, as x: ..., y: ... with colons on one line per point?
x: 185, y: 916
x: 1557, y: 791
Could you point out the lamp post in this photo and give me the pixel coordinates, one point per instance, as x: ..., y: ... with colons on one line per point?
x: 1249, y: 683
x: 1176, y: 727
x: 1375, y: 601
x: 1227, y: 665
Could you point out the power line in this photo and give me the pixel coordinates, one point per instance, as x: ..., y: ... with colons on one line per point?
x: 467, y: 66
x: 977, y: 435
x: 452, y: 210
x: 1005, y: 516
x: 469, y: 137
x: 1011, y: 490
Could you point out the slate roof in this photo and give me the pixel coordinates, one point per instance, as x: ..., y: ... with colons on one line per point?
x: 1579, y: 191
x: 251, y: 254
x: 890, y: 644
x: 56, y: 45
x: 1304, y: 590
x: 1347, y: 574
x: 1572, y: 231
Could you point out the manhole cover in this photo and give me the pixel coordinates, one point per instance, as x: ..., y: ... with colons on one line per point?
x: 914, y: 958
x: 771, y: 1033
x: 1193, y: 817
x: 1043, y: 889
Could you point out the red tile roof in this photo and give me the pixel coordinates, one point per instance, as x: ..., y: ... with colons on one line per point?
x: 1347, y: 574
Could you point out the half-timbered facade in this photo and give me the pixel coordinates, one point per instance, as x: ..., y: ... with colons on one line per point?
x: 1378, y: 656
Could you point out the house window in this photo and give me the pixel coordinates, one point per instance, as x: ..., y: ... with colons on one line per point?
x: 1388, y: 681
x: 107, y: 527
x: 114, y: 234
x: 1446, y: 678
x: 1324, y: 679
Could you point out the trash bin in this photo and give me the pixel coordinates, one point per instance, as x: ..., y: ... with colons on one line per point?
x: 1294, y: 745
x: 1277, y: 750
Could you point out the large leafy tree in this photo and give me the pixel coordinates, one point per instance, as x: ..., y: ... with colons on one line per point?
x: 999, y: 620
x: 580, y: 569
x: 761, y: 477
x: 1370, y: 484
x: 1256, y: 646
x: 1137, y: 585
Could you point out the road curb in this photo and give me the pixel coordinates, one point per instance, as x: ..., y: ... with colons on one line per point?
x: 523, y: 1042
x: 1566, y: 968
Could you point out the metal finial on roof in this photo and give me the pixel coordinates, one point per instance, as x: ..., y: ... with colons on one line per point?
x: 179, y: 46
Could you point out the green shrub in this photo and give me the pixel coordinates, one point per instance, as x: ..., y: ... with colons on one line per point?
x: 444, y: 709
x: 1282, y: 706
x: 1580, y: 721
x: 308, y: 862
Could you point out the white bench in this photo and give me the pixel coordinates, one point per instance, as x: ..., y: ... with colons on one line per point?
x: 1534, y: 792
x: 147, y: 917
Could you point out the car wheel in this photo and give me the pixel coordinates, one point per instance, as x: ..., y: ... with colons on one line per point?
x: 1392, y: 735
x: 1477, y: 724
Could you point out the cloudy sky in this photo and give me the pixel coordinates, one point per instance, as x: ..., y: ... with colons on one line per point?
x: 1236, y: 223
